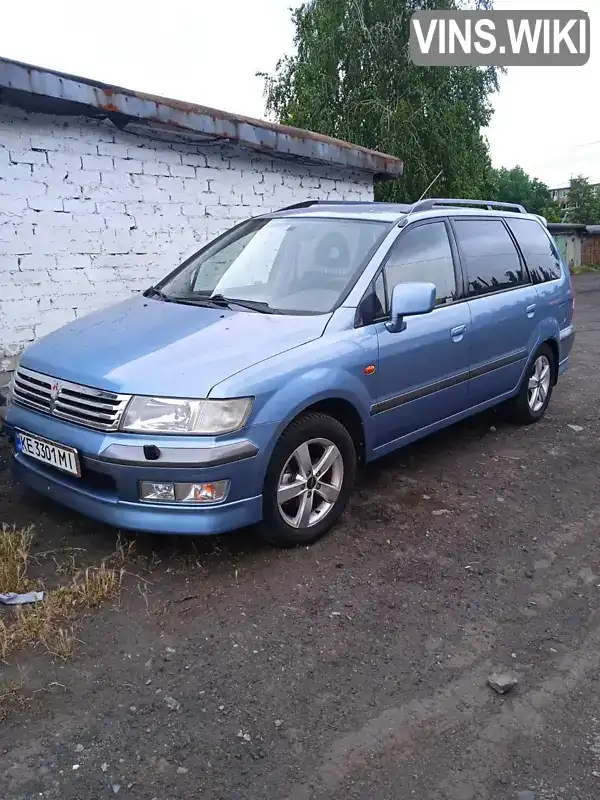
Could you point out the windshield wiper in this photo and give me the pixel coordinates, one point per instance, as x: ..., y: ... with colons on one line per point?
x: 211, y: 301
x: 220, y: 301
x: 152, y: 291
x: 188, y: 301
x: 253, y: 305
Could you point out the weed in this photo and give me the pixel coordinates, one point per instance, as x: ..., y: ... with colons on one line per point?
x: 14, y: 555
x: 3, y: 640
x: 11, y: 697
x: 60, y: 643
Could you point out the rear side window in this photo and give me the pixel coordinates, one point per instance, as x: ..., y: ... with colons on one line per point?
x: 490, y: 257
x: 423, y: 254
x: 541, y: 256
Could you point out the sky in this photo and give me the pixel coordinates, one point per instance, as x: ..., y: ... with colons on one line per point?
x: 547, y: 119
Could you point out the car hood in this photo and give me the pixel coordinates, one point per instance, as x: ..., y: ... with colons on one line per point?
x: 150, y: 347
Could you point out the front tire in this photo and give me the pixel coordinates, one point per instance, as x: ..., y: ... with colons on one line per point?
x: 530, y: 404
x: 309, y: 481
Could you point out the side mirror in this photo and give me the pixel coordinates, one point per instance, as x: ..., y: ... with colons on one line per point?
x: 408, y: 300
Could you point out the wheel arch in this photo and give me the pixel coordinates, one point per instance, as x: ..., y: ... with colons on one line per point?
x: 339, y: 408
x: 546, y: 336
x: 347, y: 415
x: 553, y: 345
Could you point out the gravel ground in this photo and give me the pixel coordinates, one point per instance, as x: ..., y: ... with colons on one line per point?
x: 355, y: 669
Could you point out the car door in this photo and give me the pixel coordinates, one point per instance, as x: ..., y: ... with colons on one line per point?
x: 423, y: 369
x: 503, y: 304
x: 551, y: 279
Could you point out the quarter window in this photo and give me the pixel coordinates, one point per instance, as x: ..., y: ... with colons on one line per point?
x: 489, y: 255
x: 373, y: 306
x: 540, y: 253
x: 380, y: 298
x: 423, y: 254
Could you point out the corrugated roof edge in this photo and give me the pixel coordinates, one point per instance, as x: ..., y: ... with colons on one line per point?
x: 21, y: 80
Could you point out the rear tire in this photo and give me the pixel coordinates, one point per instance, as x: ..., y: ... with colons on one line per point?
x: 309, y: 481
x: 530, y: 404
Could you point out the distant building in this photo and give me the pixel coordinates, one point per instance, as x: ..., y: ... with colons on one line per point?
x: 578, y: 244
x: 560, y: 194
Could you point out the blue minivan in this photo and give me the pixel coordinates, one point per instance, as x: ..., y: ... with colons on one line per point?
x: 249, y: 384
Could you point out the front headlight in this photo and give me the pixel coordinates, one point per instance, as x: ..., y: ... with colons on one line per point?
x: 174, y: 415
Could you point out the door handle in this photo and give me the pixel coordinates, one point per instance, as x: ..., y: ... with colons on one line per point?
x: 530, y: 310
x: 458, y: 333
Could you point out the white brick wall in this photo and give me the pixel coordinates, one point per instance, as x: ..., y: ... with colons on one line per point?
x: 89, y: 214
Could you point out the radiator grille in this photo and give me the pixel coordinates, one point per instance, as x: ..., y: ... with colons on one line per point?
x: 82, y: 405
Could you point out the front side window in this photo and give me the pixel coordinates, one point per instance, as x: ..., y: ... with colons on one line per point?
x: 489, y: 255
x: 541, y: 256
x: 288, y: 265
x: 423, y: 254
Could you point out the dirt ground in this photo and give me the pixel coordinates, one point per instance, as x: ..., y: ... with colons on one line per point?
x: 355, y: 669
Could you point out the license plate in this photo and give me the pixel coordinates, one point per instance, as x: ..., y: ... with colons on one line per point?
x: 57, y: 455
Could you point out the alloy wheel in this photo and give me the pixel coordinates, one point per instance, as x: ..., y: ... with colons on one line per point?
x: 539, y: 384
x: 310, y: 483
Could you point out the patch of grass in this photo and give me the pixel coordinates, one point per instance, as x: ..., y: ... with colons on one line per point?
x: 14, y: 556
x: 586, y: 268
x: 49, y: 622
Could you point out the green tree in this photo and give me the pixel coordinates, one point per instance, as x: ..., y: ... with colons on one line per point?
x: 583, y: 202
x: 516, y: 186
x: 352, y: 78
x: 553, y: 212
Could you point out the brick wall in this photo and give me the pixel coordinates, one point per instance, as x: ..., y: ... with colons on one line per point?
x: 89, y: 214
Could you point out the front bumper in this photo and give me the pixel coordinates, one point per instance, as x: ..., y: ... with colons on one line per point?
x: 113, y: 465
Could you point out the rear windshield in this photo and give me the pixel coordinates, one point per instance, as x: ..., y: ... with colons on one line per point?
x: 289, y: 265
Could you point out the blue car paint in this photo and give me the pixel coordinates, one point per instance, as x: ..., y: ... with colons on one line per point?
x: 148, y: 345
x: 427, y: 352
x: 501, y: 330
x: 288, y: 364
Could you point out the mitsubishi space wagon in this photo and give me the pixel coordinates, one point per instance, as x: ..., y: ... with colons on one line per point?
x: 248, y: 385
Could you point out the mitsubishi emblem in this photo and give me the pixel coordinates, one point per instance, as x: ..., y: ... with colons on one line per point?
x: 54, y: 390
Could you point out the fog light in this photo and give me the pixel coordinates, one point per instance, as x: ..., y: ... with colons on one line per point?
x: 210, y: 492
x: 201, y: 492
x: 159, y: 492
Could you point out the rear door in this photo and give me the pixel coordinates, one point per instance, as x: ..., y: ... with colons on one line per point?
x: 551, y: 278
x: 503, y: 303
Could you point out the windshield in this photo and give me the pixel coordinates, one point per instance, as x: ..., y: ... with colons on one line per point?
x: 294, y: 265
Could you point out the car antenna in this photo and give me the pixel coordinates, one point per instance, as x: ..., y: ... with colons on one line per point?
x: 437, y: 177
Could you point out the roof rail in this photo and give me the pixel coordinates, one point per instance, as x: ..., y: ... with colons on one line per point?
x: 308, y: 203
x: 303, y: 204
x: 426, y: 205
